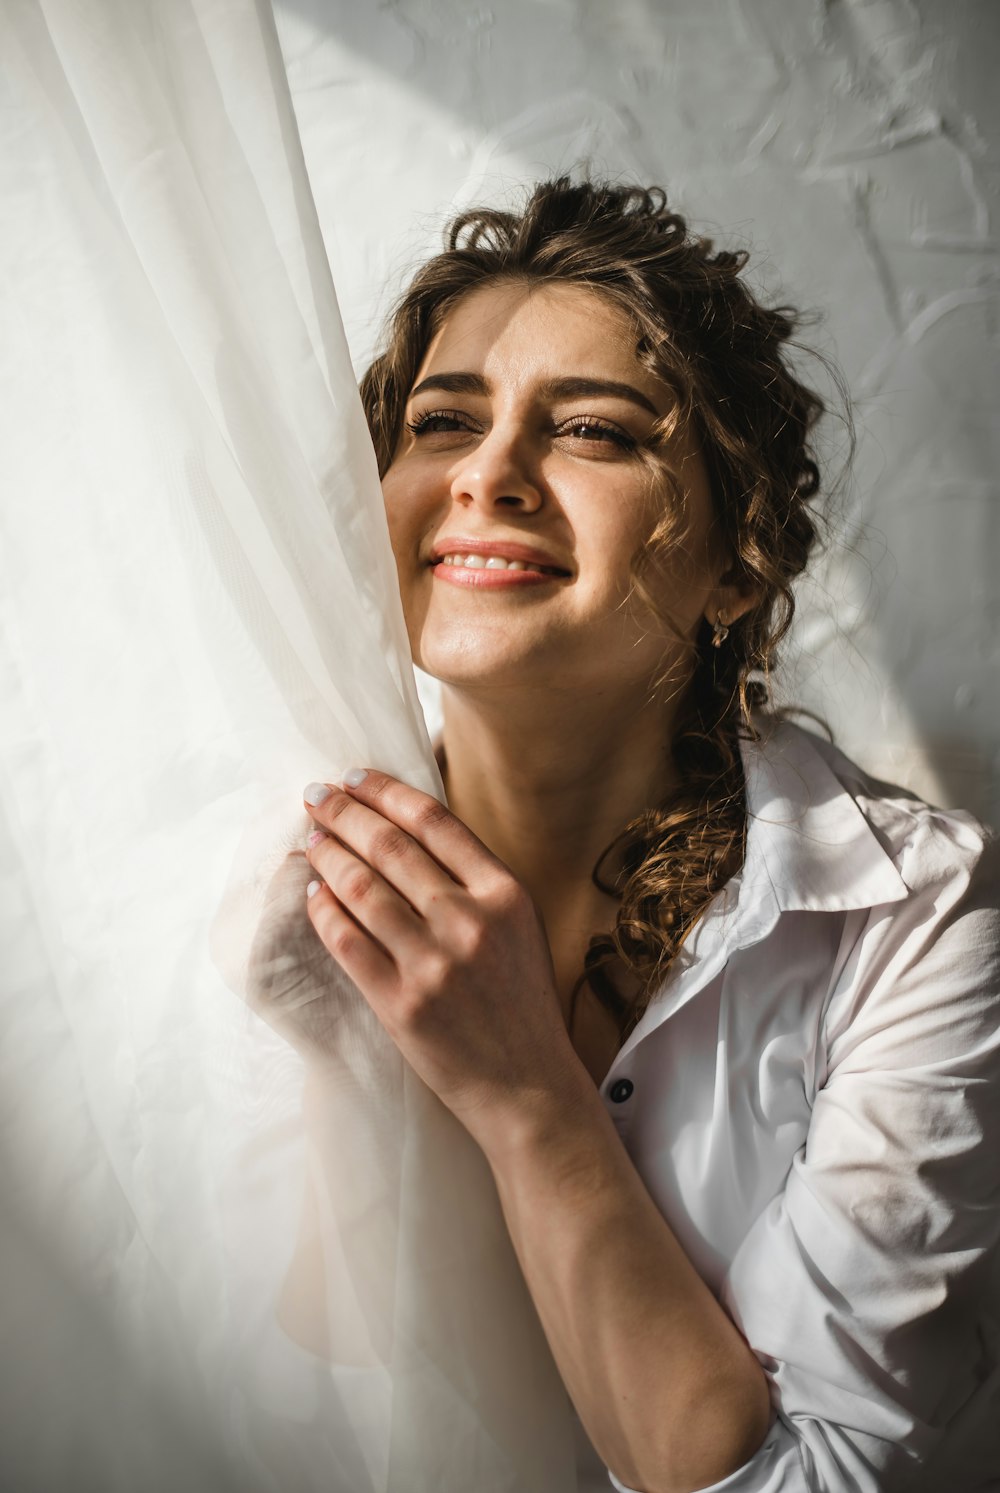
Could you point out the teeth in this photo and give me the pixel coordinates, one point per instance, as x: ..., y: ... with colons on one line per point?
x: 491, y: 562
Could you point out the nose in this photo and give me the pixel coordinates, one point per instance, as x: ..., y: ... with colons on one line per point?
x: 499, y: 473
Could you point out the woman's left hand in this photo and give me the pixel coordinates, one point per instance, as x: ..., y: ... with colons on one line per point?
x: 446, y: 946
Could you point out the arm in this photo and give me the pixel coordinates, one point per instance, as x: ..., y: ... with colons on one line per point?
x: 333, y: 1300
x: 865, y: 1286
x: 670, y: 1395
x: 450, y: 953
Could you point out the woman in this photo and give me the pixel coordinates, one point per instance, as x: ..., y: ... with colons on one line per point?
x: 719, y: 1010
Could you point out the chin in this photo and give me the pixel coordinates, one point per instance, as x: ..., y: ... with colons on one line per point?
x: 478, y: 662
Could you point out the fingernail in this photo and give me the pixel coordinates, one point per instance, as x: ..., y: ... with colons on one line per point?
x: 354, y: 776
x: 313, y: 888
x: 315, y: 793
x: 316, y: 836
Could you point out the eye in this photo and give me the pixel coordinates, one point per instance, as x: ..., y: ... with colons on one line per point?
x: 435, y: 422
x: 593, y: 432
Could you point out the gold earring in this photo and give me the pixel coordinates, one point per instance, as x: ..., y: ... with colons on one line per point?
x: 720, y: 632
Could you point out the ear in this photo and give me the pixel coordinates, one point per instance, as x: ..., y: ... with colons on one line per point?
x: 730, y: 599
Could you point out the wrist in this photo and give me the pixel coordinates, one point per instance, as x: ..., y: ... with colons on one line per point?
x: 556, y: 1125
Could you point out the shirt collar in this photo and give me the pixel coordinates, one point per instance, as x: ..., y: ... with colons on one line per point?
x: 809, y: 849
x: 807, y: 838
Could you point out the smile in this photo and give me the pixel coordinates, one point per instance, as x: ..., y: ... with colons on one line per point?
x: 492, y: 571
x: 495, y: 562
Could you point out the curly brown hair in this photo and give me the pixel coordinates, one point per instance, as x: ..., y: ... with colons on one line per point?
x: 701, y: 330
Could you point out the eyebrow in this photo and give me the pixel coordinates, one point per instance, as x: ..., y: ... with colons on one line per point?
x: 556, y: 388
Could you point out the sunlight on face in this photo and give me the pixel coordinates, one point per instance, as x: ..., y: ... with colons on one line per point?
x: 524, y: 442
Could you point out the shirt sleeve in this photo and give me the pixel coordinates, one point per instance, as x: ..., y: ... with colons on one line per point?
x: 776, y: 1468
x: 861, y: 1287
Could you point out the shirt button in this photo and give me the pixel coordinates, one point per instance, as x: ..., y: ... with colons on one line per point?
x: 621, y: 1090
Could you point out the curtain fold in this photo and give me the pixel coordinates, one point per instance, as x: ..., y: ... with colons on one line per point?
x: 220, y: 1272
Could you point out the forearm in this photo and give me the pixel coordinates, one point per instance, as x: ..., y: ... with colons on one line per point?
x: 336, y: 1294
x: 668, y: 1390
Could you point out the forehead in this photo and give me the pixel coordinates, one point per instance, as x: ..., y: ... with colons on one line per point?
x: 518, y: 332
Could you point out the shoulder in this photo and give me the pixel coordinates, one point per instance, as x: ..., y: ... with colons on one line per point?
x: 917, y: 834
x: 856, y: 840
x: 916, y: 979
x: 862, y: 1284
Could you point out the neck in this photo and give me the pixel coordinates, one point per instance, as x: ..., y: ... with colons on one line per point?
x: 548, y: 781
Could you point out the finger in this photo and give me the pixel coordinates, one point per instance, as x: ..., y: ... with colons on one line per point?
x: 367, y: 896
x: 427, y: 821
x: 357, y: 953
x: 403, y: 863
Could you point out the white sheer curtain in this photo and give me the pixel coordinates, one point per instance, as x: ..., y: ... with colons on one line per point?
x: 199, y: 615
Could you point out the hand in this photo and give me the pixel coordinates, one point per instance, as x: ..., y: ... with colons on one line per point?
x: 292, y: 983
x: 445, y: 945
x: 267, y: 952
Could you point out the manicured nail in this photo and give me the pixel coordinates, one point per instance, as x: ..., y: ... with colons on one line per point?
x: 315, y: 794
x: 313, y: 888
x: 354, y: 776
x: 316, y: 836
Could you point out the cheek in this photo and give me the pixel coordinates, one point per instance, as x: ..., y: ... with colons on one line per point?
x: 399, y: 516
x: 666, y: 586
x: 390, y: 493
x: 679, y: 593
x: 610, y: 547
x: 411, y: 503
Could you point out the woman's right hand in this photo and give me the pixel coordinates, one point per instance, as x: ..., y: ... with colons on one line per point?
x: 292, y: 983
x: 266, y: 950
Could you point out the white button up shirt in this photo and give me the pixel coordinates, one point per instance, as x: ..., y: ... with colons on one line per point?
x: 812, y: 1100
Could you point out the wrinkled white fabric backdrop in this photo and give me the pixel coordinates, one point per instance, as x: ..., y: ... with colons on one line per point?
x: 199, y: 615
x: 855, y: 150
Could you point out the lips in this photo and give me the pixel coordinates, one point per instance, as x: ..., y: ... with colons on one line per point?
x: 504, y: 549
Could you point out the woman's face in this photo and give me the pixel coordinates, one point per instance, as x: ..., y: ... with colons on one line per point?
x: 521, y: 444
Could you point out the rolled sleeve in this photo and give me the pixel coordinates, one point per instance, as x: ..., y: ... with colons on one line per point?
x: 775, y: 1468
x: 861, y: 1286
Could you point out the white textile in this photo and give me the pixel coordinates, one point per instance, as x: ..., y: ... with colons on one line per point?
x: 200, y: 615
x: 813, y: 1101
